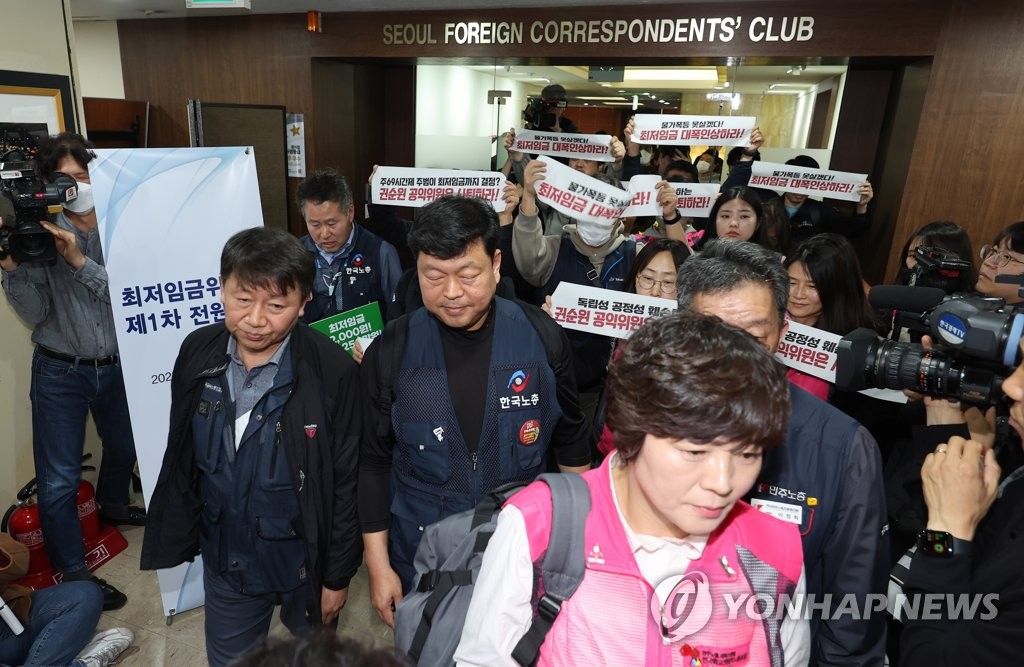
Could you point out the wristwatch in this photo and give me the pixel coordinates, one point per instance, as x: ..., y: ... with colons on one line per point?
x: 940, y: 544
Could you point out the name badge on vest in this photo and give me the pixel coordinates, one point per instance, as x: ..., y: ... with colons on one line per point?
x: 794, y: 507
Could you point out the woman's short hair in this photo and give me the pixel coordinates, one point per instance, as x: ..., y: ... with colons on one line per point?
x: 679, y: 254
x: 691, y: 376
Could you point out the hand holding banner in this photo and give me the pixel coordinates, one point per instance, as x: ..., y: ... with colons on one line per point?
x: 694, y: 199
x: 586, y: 146
x: 407, y: 186
x: 605, y: 312
x: 580, y: 196
x: 806, y: 180
x: 665, y: 129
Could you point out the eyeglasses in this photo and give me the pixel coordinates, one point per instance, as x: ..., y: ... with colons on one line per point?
x: 997, y: 257
x: 667, y: 287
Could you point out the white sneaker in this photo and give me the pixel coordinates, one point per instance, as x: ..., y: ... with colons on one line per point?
x: 106, y: 646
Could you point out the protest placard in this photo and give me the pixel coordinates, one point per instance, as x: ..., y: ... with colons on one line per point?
x: 695, y: 199
x: 407, y: 186
x: 580, y: 196
x: 605, y: 312
x: 813, y: 351
x: 586, y: 146
x: 666, y: 129
x: 806, y: 180
x: 363, y: 323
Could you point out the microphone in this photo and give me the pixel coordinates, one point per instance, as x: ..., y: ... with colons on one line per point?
x: 907, y: 299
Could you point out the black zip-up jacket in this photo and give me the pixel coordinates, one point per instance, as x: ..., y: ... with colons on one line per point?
x: 320, y: 425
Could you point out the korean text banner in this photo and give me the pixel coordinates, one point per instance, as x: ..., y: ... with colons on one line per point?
x: 408, y: 186
x: 605, y: 312
x: 164, y: 215
x: 695, y: 199
x: 688, y: 130
x: 806, y: 180
x: 587, y: 146
x: 580, y: 196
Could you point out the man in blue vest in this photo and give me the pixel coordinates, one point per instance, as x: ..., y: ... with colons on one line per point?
x: 826, y: 476
x: 262, y: 455
x: 354, y: 267
x: 480, y: 389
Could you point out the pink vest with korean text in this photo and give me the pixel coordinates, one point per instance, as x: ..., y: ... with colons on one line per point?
x: 730, y: 619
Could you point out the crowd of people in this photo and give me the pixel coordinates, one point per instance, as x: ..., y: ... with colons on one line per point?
x: 290, y: 463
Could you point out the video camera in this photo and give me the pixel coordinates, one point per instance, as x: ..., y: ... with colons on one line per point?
x: 29, y: 196
x: 977, y: 344
x: 539, y: 114
x: 937, y: 267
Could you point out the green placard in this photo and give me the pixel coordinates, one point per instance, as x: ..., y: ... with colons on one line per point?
x: 345, y: 328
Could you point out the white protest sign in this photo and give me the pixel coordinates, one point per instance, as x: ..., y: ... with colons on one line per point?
x: 806, y: 180
x: 813, y: 351
x: 694, y: 199
x: 587, y: 146
x: 644, y: 196
x: 667, y: 129
x: 580, y: 196
x: 154, y: 208
x: 408, y: 186
x: 605, y: 312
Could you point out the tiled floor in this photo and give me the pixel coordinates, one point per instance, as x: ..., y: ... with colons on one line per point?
x: 182, y: 643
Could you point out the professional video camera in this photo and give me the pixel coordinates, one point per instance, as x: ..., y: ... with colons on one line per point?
x: 29, y: 198
x: 539, y: 114
x: 937, y: 267
x: 977, y: 344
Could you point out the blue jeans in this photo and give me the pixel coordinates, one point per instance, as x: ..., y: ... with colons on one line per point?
x: 61, y: 622
x: 62, y: 394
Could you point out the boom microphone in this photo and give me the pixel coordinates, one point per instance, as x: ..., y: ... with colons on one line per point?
x: 906, y: 299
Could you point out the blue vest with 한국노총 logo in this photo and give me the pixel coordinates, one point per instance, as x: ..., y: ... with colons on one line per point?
x: 434, y: 473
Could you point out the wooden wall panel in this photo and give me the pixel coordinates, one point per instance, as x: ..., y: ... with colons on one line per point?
x: 257, y: 59
x: 971, y: 133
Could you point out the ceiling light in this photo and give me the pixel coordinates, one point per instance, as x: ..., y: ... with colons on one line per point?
x: 670, y: 74
x: 606, y: 85
x: 601, y: 98
x: 726, y: 84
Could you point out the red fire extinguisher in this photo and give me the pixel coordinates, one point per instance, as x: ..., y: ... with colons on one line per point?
x: 22, y: 521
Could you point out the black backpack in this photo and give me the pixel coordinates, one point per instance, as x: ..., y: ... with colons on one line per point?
x: 429, y: 621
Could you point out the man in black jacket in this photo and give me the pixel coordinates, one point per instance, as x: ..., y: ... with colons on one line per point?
x: 261, y: 463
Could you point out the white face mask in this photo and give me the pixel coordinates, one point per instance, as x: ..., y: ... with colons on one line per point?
x: 83, y: 203
x: 703, y: 167
x: 593, y: 234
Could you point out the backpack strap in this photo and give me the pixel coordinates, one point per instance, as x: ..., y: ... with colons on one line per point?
x: 564, y: 563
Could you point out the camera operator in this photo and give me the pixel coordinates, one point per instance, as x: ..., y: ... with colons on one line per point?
x: 970, y: 546
x: 75, y: 370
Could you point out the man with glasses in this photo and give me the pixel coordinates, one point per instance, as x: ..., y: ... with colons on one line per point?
x: 354, y: 267
x: 1004, y: 258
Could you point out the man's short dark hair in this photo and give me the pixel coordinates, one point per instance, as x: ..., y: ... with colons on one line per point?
x: 324, y: 185
x: 805, y: 161
x: 691, y: 376
x: 271, y: 259
x: 682, y: 165
x: 447, y: 226
x: 54, y: 149
x: 723, y: 265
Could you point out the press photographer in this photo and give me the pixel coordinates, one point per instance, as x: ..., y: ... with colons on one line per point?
x: 75, y: 368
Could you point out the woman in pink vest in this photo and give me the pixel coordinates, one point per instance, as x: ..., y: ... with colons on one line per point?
x: 679, y: 571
